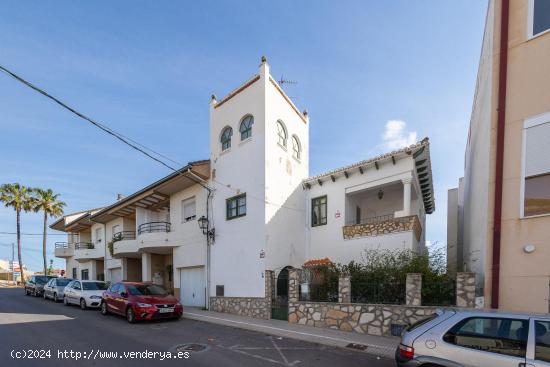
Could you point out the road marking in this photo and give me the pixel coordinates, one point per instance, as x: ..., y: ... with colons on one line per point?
x: 22, y: 318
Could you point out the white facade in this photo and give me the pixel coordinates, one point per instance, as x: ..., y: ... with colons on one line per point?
x: 269, y: 226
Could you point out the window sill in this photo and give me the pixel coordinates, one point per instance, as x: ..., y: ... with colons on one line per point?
x: 245, y: 141
x: 225, y: 151
x: 297, y: 160
x: 534, y: 216
x: 237, y: 217
x: 531, y: 37
x: 282, y: 147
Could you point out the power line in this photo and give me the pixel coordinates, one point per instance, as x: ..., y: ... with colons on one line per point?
x: 34, y: 234
x: 128, y: 141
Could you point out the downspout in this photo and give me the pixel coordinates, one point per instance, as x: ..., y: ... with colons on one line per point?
x: 501, y: 120
x: 105, y: 254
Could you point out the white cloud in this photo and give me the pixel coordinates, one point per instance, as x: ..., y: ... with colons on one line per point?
x: 396, y: 135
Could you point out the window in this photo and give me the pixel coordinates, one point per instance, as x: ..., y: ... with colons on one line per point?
x: 236, y: 206
x: 116, y: 229
x: 74, y: 273
x: 542, y: 337
x: 536, y: 185
x: 539, y: 21
x: 281, y: 132
x: 220, y: 290
x: 76, y: 285
x: 493, y: 335
x: 246, y: 127
x: 98, y: 235
x: 226, y: 138
x: 188, y: 209
x: 296, y: 147
x: 84, y: 274
x: 319, y: 211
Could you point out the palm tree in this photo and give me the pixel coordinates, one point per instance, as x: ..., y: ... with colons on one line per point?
x: 19, y: 198
x: 46, y: 201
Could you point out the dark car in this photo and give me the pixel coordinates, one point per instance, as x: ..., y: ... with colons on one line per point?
x: 140, y: 301
x: 35, y: 284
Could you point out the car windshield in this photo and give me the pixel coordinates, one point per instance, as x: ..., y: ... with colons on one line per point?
x: 42, y: 280
x: 94, y: 286
x: 63, y: 282
x: 146, y: 290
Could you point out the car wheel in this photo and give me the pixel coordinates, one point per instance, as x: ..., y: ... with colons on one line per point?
x: 26, y: 292
x: 104, y: 310
x: 34, y: 293
x: 44, y: 295
x: 65, y: 301
x: 55, y: 297
x: 83, y: 304
x: 130, y: 316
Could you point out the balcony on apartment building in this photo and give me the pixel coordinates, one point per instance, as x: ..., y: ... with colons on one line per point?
x: 383, y: 210
x: 125, y: 244
x: 63, y: 249
x: 85, y: 251
x: 155, y: 236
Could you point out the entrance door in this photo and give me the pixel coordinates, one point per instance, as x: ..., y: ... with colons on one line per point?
x: 279, y: 301
x: 192, y: 287
x: 116, y: 275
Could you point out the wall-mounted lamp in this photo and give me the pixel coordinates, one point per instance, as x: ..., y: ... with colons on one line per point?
x: 529, y: 248
x: 380, y: 194
x: 203, y: 225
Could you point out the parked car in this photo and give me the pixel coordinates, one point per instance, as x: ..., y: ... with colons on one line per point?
x: 54, y: 289
x: 476, y: 338
x: 35, y: 284
x: 140, y: 301
x: 86, y: 293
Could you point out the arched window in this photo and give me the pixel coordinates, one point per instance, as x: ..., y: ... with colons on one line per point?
x: 246, y: 127
x: 281, y: 132
x: 296, y: 147
x: 226, y: 138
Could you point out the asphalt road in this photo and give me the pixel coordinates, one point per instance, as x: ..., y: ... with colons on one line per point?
x: 35, y: 327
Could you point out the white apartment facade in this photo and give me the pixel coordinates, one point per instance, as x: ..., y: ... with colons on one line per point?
x: 261, y: 206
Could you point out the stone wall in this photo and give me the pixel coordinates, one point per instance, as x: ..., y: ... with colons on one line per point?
x: 401, y: 224
x: 361, y: 318
x: 465, y: 289
x: 413, y: 289
x: 244, y: 306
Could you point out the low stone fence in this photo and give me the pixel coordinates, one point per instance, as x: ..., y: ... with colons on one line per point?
x: 244, y: 306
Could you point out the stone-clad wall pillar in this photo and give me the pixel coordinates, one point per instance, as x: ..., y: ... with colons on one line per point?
x: 294, y: 285
x: 465, y: 289
x: 414, y: 289
x: 344, y: 289
x: 269, y: 281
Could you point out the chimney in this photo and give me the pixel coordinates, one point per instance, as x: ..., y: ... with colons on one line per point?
x: 119, y: 197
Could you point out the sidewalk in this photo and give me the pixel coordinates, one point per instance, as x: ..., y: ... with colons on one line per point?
x: 376, y: 345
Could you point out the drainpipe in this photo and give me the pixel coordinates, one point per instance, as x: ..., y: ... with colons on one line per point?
x: 501, y: 119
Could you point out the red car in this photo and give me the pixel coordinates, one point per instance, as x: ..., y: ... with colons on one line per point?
x: 140, y: 301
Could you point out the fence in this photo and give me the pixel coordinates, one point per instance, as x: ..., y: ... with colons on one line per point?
x: 318, y: 285
x: 439, y: 292
x: 392, y: 293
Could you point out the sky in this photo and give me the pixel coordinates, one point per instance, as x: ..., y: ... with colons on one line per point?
x: 373, y: 75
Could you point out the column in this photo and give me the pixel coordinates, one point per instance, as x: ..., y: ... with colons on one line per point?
x: 124, y: 268
x: 466, y: 289
x: 414, y: 289
x: 407, y: 196
x: 344, y: 289
x: 294, y: 285
x: 146, y: 271
x: 269, y: 281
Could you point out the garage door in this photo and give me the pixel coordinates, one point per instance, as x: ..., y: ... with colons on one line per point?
x: 116, y: 275
x: 192, y: 287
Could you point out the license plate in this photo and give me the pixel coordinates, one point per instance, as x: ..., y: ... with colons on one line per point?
x: 166, y: 310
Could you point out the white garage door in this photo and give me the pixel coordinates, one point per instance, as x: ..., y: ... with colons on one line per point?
x: 116, y: 275
x: 192, y: 287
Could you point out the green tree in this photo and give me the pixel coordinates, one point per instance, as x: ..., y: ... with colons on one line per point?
x: 48, y: 202
x: 19, y: 198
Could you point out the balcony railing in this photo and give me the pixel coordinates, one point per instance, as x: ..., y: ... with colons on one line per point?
x: 61, y: 245
x: 370, y: 220
x: 83, y: 246
x: 124, y: 235
x: 378, y: 226
x: 153, y: 227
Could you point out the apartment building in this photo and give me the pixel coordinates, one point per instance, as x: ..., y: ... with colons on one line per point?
x: 210, y: 231
x: 501, y: 210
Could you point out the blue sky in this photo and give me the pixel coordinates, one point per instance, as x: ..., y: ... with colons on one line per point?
x: 147, y: 69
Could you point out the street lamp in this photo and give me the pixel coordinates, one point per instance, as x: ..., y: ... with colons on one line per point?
x: 203, y: 224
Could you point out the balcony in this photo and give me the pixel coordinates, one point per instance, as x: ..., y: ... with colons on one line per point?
x: 382, y: 225
x: 155, y: 237
x: 85, y: 251
x: 63, y: 249
x: 125, y: 244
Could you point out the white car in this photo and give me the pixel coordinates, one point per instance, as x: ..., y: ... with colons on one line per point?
x: 86, y: 293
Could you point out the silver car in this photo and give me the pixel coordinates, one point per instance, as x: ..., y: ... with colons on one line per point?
x: 54, y: 289
x: 476, y: 338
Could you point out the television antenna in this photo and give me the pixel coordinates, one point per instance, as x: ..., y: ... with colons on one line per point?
x: 282, y: 81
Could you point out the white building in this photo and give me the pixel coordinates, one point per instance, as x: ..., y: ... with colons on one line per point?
x: 264, y: 211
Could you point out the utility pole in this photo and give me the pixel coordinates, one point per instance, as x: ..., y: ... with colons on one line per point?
x: 12, y: 260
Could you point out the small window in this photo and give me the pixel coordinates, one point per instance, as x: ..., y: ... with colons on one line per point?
x: 319, y: 211
x: 220, y: 290
x: 84, y: 274
x: 236, y: 206
x: 536, y: 199
x: 225, y: 139
x: 493, y: 335
x: 74, y: 273
x: 540, y: 16
x: 281, y: 132
x: 542, y: 337
x: 188, y: 209
x: 296, y: 147
x: 98, y: 235
x: 76, y: 285
x: 246, y: 127
x: 116, y: 229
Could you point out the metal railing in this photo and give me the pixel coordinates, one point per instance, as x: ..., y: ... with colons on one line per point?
x: 152, y: 227
x: 371, y: 220
x: 83, y: 245
x: 124, y: 235
x: 61, y: 245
